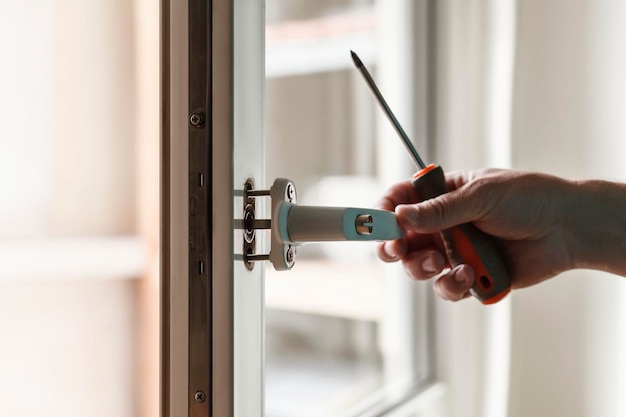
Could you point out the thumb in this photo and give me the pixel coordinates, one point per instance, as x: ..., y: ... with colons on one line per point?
x: 442, y: 212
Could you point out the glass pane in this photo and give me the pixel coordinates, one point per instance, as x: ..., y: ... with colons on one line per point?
x: 325, y: 318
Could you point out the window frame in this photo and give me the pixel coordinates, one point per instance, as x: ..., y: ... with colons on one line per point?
x: 211, y: 313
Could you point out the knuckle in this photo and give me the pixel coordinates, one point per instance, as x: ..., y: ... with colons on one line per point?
x: 438, y: 209
x: 480, y: 195
x: 413, y: 266
x: 477, y: 187
x: 411, y: 271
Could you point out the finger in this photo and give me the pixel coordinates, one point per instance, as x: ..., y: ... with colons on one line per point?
x: 443, y: 212
x: 392, y: 251
x: 455, y: 285
x: 400, y: 193
x: 457, y: 179
x: 424, y: 264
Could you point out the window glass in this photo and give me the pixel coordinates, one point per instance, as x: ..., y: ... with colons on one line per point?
x: 326, y: 319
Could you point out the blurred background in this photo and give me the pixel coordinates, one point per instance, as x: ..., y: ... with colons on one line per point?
x: 79, y: 213
x: 525, y: 84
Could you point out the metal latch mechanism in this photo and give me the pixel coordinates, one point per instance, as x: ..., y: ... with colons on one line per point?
x: 292, y: 225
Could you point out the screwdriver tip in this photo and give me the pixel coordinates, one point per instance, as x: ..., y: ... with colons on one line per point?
x: 356, y: 59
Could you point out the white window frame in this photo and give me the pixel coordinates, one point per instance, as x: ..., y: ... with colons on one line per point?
x: 212, y: 318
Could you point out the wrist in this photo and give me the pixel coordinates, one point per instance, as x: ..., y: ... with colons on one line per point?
x: 595, y: 229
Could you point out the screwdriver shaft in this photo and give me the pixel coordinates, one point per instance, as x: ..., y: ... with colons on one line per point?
x: 381, y: 100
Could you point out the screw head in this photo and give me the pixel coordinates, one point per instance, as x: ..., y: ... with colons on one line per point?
x: 291, y: 192
x: 199, y: 396
x: 290, y: 255
x: 197, y: 119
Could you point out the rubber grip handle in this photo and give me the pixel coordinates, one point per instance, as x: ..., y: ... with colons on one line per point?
x: 467, y: 244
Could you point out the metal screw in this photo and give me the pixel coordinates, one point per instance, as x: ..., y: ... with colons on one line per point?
x: 291, y: 192
x: 290, y: 255
x: 197, y: 119
x: 199, y: 396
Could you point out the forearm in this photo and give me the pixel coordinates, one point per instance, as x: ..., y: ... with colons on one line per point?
x: 596, y: 227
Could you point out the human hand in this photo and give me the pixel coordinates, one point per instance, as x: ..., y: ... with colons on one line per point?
x: 523, y: 211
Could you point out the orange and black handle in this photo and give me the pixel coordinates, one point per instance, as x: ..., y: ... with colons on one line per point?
x: 467, y: 244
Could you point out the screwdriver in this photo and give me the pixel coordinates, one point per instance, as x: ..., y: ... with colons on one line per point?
x: 463, y: 243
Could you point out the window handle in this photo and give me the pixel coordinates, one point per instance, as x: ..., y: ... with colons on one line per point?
x: 293, y: 225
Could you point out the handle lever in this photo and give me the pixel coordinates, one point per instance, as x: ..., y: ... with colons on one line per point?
x: 293, y: 225
x: 301, y: 224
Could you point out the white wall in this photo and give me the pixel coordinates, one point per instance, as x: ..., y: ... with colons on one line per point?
x: 25, y: 116
x: 67, y: 348
x: 68, y: 318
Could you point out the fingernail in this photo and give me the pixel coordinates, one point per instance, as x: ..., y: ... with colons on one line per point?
x: 459, y: 277
x: 463, y: 274
x: 428, y: 266
x: 409, y: 213
x: 389, y: 252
